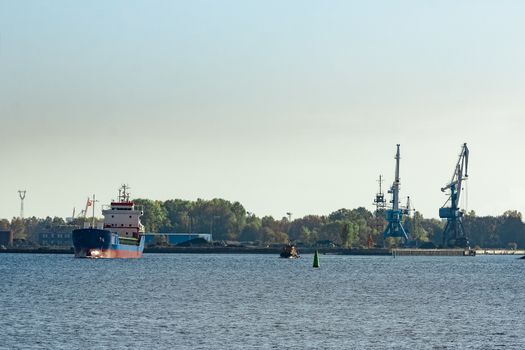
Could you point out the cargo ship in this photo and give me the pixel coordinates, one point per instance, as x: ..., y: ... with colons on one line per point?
x: 121, y: 235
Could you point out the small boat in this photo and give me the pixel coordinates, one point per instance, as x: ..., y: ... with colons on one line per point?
x: 121, y: 236
x: 289, y: 252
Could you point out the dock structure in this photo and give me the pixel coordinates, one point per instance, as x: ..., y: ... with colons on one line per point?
x: 500, y: 252
x: 454, y: 252
x: 432, y: 252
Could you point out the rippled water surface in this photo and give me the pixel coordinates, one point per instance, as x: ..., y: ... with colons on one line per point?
x: 179, y: 301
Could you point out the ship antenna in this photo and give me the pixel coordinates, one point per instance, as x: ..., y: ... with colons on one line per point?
x: 123, y: 195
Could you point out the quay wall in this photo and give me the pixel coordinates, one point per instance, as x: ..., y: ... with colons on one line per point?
x: 277, y: 250
x: 432, y: 252
x: 500, y: 252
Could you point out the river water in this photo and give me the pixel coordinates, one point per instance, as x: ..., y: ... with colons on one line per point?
x: 184, y: 301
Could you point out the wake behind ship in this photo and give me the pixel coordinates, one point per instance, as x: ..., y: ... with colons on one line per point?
x: 122, y: 235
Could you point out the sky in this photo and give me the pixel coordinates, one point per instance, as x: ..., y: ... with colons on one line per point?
x: 284, y: 106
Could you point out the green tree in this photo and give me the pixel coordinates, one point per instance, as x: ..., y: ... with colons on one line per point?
x: 418, y: 232
x: 270, y: 236
x: 434, y: 229
x: 5, y: 225
x: 348, y: 234
x: 154, y: 217
x: 512, y: 230
x: 306, y: 229
x: 18, y: 228
x: 252, y: 230
x: 178, y: 215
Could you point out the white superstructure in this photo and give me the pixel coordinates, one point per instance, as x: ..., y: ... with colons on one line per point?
x: 123, y: 217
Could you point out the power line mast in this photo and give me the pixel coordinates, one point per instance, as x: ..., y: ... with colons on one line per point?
x: 454, y: 234
x: 380, y: 204
x: 394, y: 216
x: 22, y: 195
x: 379, y: 201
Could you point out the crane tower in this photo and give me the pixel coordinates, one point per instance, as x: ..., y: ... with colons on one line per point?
x: 394, y: 216
x: 454, y: 234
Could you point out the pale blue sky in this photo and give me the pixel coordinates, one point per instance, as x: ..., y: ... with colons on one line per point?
x: 281, y: 105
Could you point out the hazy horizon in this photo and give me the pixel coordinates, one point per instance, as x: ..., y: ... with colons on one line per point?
x: 283, y: 106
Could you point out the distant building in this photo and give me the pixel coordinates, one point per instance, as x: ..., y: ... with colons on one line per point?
x: 175, y: 238
x: 55, y: 239
x: 60, y: 236
x: 6, y: 238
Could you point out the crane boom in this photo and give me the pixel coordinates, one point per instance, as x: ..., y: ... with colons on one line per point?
x: 397, y: 182
x: 460, y: 171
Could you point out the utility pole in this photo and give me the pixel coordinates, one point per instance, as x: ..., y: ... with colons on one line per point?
x: 289, y: 214
x: 22, y: 195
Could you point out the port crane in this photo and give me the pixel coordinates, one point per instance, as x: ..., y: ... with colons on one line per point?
x: 394, y: 216
x: 454, y: 234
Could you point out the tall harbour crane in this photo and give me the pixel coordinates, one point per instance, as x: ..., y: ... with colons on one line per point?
x: 394, y: 216
x: 454, y: 234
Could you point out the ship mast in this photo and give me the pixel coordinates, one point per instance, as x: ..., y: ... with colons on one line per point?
x: 93, y: 215
x: 123, y: 195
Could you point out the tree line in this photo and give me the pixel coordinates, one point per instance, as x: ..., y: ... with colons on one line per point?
x: 230, y: 221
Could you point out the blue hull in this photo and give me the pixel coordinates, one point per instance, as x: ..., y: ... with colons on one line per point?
x: 98, y: 243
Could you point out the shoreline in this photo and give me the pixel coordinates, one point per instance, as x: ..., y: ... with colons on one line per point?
x: 214, y: 250
x: 276, y: 251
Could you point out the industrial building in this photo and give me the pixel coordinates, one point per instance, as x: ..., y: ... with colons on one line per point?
x: 58, y: 236
x: 62, y: 238
x: 6, y: 238
x: 55, y: 239
x: 175, y: 238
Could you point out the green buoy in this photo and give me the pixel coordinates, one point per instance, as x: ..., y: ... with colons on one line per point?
x: 316, y: 259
